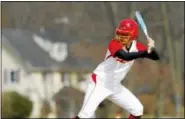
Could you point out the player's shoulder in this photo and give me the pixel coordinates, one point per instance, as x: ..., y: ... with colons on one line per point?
x: 114, y: 42
x: 140, y: 46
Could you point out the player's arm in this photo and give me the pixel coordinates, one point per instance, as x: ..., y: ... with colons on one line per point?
x: 140, y: 54
x: 130, y: 56
x: 116, y: 50
x: 153, y: 55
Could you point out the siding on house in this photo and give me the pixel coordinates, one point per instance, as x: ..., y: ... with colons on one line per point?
x: 11, y: 69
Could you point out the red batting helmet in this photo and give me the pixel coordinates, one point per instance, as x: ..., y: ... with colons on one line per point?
x: 128, y: 27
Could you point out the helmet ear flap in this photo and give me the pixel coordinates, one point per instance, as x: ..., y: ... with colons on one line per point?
x: 117, y: 37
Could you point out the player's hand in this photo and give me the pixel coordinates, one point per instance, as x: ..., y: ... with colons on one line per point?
x: 151, y: 44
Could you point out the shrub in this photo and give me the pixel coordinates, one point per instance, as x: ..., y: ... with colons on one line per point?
x: 15, y: 105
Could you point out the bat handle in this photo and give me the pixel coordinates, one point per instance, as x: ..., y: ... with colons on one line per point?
x: 146, y: 34
x: 148, y: 38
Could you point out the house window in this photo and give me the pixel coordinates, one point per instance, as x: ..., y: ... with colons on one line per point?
x: 48, y: 83
x: 65, y: 78
x: 14, y: 76
x: 11, y: 76
x: 48, y: 78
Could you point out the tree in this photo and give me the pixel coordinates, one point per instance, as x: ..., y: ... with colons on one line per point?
x: 15, y: 105
x: 175, y: 63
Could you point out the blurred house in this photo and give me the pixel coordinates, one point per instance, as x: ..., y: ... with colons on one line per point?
x: 39, y: 65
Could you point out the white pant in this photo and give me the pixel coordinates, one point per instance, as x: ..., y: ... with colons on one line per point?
x: 96, y: 93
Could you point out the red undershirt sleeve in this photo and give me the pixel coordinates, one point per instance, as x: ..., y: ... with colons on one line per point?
x: 114, y: 46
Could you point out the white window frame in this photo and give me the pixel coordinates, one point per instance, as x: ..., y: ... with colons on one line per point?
x: 7, y: 78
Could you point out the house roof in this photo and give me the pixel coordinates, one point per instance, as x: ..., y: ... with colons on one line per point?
x: 35, y: 49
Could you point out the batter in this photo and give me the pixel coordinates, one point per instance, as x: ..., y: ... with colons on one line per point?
x: 105, y: 81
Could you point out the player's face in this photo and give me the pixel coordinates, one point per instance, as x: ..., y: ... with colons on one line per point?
x: 124, y: 39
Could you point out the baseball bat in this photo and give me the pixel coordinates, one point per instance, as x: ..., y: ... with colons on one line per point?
x: 142, y: 24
